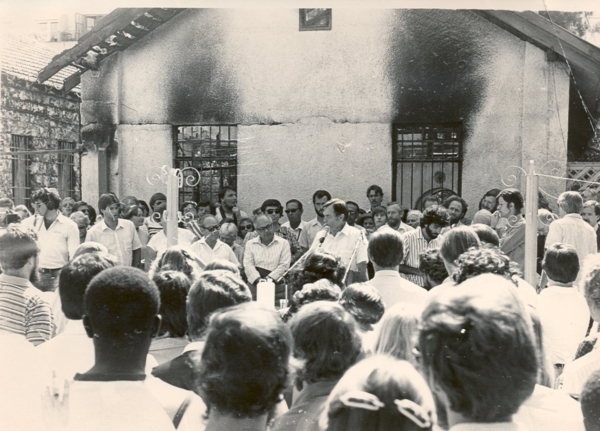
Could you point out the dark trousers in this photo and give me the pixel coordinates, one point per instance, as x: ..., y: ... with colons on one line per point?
x: 48, y: 279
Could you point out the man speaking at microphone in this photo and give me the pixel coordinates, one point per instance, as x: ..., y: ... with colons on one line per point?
x: 344, y: 241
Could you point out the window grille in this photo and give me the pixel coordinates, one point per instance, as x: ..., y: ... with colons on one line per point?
x: 67, y: 176
x: 21, y: 181
x: 427, y: 160
x: 212, y: 150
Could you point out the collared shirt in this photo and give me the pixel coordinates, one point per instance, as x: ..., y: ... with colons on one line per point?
x: 57, y: 243
x: 301, y: 233
x: 283, y: 232
x: 344, y: 244
x: 313, y: 227
x: 275, y: 257
x: 565, y: 316
x: 121, y: 242
x: 23, y: 311
x: 414, y: 244
x: 402, y: 228
x: 573, y: 230
x: 221, y: 251
x: 395, y: 289
x: 158, y: 242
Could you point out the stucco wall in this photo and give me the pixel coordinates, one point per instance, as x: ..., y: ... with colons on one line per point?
x: 298, y: 96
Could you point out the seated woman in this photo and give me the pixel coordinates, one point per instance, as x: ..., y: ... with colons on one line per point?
x: 380, y: 393
x: 173, y: 287
x: 244, y: 367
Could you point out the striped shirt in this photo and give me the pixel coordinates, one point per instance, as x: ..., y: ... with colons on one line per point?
x: 23, y: 311
x: 275, y: 257
x: 414, y: 244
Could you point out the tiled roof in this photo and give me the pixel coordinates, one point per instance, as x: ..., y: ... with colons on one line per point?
x: 23, y: 57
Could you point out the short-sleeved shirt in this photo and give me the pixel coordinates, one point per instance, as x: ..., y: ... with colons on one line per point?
x: 301, y: 233
x: 120, y: 242
x: 275, y: 257
x: 344, y: 244
x: 283, y: 232
x: 57, y: 243
x: 158, y: 242
x: 573, y: 230
x: 207, y: 254
x: 414, y: 244
x: 23, y: 311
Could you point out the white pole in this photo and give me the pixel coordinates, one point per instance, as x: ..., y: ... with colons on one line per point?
x: 172, y: 206
x: 531, y: 221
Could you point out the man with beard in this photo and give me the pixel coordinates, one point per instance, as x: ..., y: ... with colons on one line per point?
x: 418, y: 240
x: 394, y: 219
x: 457, y: 209
x: 489, y: 201
x: 320, y: 198
x: 22, y: 309
x: 228, y: 206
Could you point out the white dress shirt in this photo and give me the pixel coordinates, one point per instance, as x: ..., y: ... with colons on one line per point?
x: 57, y: 243
x: 395, y: 289
x: 343, y: 245
x: 275, y: 257
x: 158, y: 242
x: 565, y: 316
x: 573, y: 230
x: 120, y: 242
x: 207, y: 254
x: 301, y: 233
x: 313, y: 227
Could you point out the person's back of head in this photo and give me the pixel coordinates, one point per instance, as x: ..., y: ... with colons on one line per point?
x: 396, y: 331
x: 561, y: 263
x: 75, y: 277
x: 380, y: 393
x: 173, y: 287
x: 479, y: 261
x: 590, y: 402
x: 245, y: 362
x: 486, y: 235
x: 321, y: 265
x: 432, y: 265
x: 222, y: 264
x: 18, y: 245
x: 320, y: 290
x: 477, y: 347
x: 456, y: 241
x: 121, y: 305
x: 326, y: 341
x: 212, y: 291
x: 89, y: 247
x: 7, y: 204
x: 364, y: 303
x: 570, y: 202
x: 177, y: 258
x: 385, y: 249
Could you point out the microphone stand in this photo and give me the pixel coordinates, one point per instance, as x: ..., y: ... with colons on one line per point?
x: 304, y: 256
x: 356, y: 245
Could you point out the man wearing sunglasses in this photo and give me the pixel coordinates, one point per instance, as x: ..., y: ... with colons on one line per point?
x: 294, y: 211
x: 273, y: 209
x: 210, y: 247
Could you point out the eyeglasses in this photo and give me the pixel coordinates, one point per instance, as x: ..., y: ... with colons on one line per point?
x: 266, y: 228
x: 246, y: 227
x: 292, y: 211
x: 275, y: 211
x: 212, y: 228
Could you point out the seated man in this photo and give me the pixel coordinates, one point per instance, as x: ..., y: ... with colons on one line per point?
x: 478, y: 353
x: 121, y: 316
x: 213, y: 290
x: 210, y: 247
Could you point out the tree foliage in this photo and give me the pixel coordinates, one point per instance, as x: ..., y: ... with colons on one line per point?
x: 574, y: 22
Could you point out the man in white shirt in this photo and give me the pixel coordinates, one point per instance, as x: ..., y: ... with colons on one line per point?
x: 591, y: 215
x: 158, y: 243
x: 210, y: 247
x: 294, y: 211
x: 58, y: 237
x: 314, y: 226
x: 563, y: 311
x: 343, y: 241
x: 394, y: 219
x: 118, y: 235
x: 385, y: 252
x: 570, y: 228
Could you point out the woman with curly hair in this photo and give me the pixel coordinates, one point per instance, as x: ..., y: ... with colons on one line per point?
x: 178, y: 258
x: 317, y: 266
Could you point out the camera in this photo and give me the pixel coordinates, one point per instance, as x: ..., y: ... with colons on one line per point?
x: 8, y: 218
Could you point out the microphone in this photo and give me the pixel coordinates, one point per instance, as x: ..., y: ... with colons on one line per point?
x: 326, y: 229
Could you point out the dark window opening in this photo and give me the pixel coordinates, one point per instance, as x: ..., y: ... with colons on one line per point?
x: 315, y: 19
x: 21, y: 180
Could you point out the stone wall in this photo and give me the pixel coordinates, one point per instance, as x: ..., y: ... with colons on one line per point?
x: 47, y: 117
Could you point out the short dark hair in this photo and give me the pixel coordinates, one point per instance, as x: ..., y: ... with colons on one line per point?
x: 121, y: 302
x: 561, y: 263
x: 477, y: 344
x: 363, y: 302
x: 361, y: 220
x: 75, y: 277
x: 186, y: 203
x: 18, y: 244
x: 590, y: 402
x: 173, y: 287
x: 325, y: 340
x: 49, y: 197
x: 106, y: 200
x: 479, y: 261
x: 223, y: 192
x: 319, y: 194
x: 379, y: 210
x: 456, y: 198
x: 156, y: 197
x: 213, y: 290
x: 130, y: 211
x: 245, y: 361
x: 352, y: 203
x: 456, y: 241
x: 595, y: 205
x: 375, y: 188
x: 432, y: 264
x: 435, y: 215
x: 270, y: 203
x: 339, y: 207
x: 320, y: 264
x: 512, y: 196
x: 386, y: 248
x: 294, y: 201
x: 486, y: 234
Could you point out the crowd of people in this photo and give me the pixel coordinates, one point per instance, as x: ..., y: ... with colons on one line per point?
x: 384, y: 318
